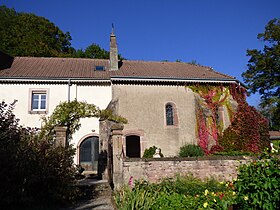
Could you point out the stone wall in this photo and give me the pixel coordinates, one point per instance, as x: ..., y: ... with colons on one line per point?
x: 221, y: 168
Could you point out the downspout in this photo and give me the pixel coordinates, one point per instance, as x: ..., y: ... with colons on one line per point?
x: 68, y: 126
x: 69, y: 85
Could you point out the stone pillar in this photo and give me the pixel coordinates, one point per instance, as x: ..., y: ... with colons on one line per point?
x: 117, y: 155
x: 60, y: 136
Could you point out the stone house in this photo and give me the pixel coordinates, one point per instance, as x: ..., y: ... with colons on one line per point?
x: 157, y: 98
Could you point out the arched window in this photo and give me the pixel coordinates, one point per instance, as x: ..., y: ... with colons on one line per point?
x: 169, y: 112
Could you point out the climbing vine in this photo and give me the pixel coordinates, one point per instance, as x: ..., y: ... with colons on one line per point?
x: 209, y: 99
x: 248, y: 131
x: 69, y: 114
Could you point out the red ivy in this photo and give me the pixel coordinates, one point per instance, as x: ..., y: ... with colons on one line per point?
x: 248, y: 131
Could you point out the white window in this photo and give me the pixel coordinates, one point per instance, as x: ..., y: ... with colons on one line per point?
x: 38, y: 101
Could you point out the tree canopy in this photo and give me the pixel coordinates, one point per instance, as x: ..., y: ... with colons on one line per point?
x: 93, y: 51
x: 24, y: 34
x: 263, y: 73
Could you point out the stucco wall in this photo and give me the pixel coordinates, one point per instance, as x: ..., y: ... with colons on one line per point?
x: 144, y: 107
x: 100, y: 95
x: 155, y: 169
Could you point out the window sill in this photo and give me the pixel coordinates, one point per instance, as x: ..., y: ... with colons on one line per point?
x: 171, y: 126
x: 37, y: 112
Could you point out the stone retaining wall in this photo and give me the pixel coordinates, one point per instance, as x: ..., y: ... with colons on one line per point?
x: 222, y: 168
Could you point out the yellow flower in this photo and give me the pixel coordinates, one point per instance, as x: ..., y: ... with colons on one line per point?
x: 215, y: 200
x: 206, y: 192
x: 205, y: 204
x: 246, y: 198
x: 233, y: 193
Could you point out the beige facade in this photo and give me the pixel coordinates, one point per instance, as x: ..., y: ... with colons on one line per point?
x: 144, y: 107
x: 98, y: 94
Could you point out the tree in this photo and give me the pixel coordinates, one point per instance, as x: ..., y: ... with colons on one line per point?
x: 94, y: 51
x: 24, y: 34
x: 263, y: 73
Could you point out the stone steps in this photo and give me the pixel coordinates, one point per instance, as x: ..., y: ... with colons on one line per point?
x: 97, y: 195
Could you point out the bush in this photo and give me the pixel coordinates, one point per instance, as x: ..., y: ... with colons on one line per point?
x: 191, y: 150
x: 258, y: 184
x: 148, y: 153
x: 234, y: 153
x: 248, y: 132
x: 32, y: 170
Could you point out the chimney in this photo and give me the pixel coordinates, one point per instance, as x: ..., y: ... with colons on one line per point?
x: 113, y: 52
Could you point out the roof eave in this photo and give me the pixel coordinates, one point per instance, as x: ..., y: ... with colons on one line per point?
x: 181, y: 80
x: 52, y: 80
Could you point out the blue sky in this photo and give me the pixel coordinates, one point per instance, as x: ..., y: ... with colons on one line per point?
x: 215, y: 33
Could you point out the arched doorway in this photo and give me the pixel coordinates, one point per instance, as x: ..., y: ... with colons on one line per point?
x: 88, y: 154
x: 133, y: 149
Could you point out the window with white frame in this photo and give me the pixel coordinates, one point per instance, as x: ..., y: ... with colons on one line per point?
x: 38, y: 101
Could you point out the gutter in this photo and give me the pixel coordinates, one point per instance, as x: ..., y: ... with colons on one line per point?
x: 53, y: 80
x: 181, y: 80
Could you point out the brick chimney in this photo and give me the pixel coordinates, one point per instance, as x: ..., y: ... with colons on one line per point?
x: 113, y: 52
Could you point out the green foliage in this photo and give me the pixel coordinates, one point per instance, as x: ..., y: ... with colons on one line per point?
x: 93, y: 51
x: 148, y: 153
x: 24, y: 34
x: 234, y: 153
x: 248, y: 131
x: 263, y: 71
x: 133, y: 199
x: 180, y: 193
x: 191, y: 150
x: 69, y: 114
x: 31, y: 169
x: 258, y: 183
x: 109, y: 115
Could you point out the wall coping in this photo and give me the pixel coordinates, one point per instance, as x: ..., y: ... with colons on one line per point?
x: 191, y: 158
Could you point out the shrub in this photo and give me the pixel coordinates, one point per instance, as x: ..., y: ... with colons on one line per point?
x: 258, y: 184
x: 234, y: 153
x: 31, y: 169
x: 191, y: 150
x: 248, y: 132
x: 148, y: 153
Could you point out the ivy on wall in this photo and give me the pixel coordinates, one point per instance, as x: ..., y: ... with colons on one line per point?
x: 248, y: 128
x: 209, y: 100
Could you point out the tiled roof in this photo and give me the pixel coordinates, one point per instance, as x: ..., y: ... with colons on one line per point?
x: 56, y: 68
